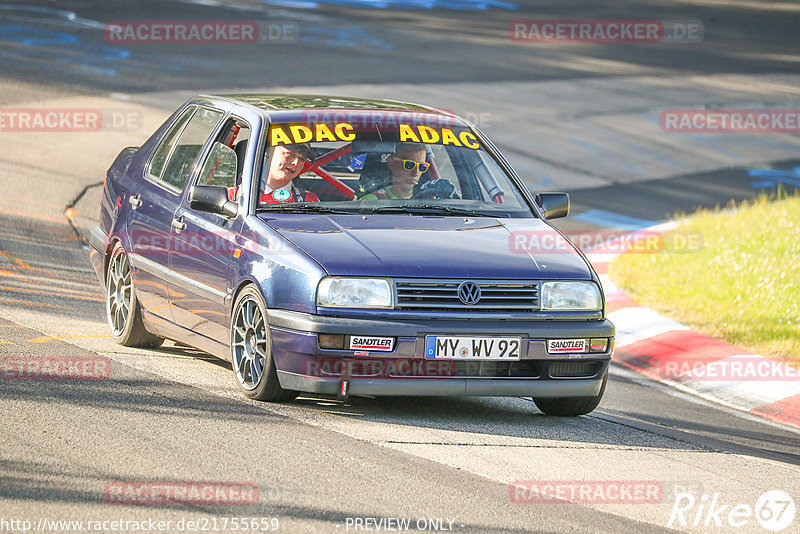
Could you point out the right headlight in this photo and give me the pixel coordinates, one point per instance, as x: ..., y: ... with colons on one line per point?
x: 571, y: 296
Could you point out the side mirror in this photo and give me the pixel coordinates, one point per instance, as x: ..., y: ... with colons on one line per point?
x: 213, y: 199
x: 554, y: 205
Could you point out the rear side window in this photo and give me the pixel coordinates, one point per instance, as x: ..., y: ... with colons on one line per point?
x: 183, y: 152
x: 162, y: 152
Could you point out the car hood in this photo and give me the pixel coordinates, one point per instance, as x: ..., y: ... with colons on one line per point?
x: 438, y: 247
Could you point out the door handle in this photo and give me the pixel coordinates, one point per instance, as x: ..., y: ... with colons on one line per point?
x: 134, y: 202
x: 179, y: 225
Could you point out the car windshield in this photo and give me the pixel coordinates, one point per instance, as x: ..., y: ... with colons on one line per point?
x: 411, y: 167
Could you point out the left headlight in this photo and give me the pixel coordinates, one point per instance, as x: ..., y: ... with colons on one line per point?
x: 343, y: 292
x: 574, y: 296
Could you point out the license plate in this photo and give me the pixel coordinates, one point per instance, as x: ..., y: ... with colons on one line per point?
x: 472, y: 348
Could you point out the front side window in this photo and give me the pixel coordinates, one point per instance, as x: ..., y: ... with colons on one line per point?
x: 220, y: 167
x: 224, y: 163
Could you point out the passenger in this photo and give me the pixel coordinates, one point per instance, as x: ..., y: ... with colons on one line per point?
x: 286, y: 163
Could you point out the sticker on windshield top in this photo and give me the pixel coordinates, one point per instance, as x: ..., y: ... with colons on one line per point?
x: 357, y: 163
x: 557, y: 346
x: 445, y: 136
x: 286, y: 134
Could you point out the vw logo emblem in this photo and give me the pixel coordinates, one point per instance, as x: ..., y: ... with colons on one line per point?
x: 469, y: 293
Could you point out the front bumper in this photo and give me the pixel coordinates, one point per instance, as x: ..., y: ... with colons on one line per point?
x: 303, y: 366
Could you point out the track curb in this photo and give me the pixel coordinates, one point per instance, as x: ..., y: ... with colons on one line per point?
x: 676, y: 355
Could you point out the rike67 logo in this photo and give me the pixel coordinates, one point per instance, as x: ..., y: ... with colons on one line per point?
x: 774, y: 510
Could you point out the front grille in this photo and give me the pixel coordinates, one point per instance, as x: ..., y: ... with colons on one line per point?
x: 574, y: 369
x: 501, y: 296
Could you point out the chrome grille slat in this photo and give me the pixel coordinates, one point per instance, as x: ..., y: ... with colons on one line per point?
x: 429, y: 293
x: 460, y: 306
x: 485, y: 286
x: 442, y: 295
x: 483, y: 297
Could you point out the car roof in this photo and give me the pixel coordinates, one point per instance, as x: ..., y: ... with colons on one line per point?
x: 285, y: 107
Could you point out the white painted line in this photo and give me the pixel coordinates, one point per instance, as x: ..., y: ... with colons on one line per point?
x: 598, y: 257
x: 636, y: 324
x: 608, y: 285
x: 679, y: 391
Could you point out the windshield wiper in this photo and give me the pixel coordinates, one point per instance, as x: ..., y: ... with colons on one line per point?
x: 425, y: 209
x: 302, y: 208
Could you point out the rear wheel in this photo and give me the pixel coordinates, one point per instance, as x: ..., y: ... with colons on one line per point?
x: 571, y: 406
x: 251, y: 350
x: 122, y: 307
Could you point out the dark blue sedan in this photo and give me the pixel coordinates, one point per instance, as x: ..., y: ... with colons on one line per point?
x: 350, y: 247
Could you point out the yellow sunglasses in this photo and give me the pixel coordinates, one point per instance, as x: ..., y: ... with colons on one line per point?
x: 410, y: 164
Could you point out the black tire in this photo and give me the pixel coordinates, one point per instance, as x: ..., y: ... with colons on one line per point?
x: 571, y: 406
x: 251, y: 350
x: 123, y: 313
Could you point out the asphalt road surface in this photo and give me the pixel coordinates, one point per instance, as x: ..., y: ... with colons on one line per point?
x: 581, y: 117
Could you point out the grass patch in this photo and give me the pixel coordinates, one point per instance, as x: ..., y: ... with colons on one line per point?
x: 741, y: 286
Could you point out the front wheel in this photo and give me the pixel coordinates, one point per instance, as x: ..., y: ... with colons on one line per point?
x: 251, y: 350
x: 571, y: 406
x: 122, y: 307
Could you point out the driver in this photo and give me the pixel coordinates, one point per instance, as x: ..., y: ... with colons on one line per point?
x: 407, y: 164
x: 286, y: 162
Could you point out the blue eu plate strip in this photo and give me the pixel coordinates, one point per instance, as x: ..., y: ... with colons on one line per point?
x: 430, y: 347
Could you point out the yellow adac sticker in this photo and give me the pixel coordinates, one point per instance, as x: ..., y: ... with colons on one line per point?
x: 286, y: 134
x: 446, y: 136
